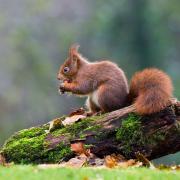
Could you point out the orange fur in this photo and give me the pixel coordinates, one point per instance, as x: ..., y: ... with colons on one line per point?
x: 103, y: 82
x: 150, y: 91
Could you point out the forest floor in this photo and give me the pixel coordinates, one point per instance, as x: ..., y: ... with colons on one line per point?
x: 28, y: 172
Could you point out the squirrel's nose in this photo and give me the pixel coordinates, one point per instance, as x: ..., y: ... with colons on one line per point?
x: 59, y: 76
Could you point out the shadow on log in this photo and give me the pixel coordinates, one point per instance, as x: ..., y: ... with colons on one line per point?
x: 122, y: 132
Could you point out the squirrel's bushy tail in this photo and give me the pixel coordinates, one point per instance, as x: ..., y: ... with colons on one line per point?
x: 150, y: 91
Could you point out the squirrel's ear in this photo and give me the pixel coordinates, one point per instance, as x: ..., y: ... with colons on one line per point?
x: 75, y: 47
x: 75, y: 60
x: 73, y: 53
x: 73, y: 50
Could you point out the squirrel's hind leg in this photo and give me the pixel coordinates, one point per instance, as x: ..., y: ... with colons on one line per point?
x: 110, y: 99
x: 92, y: 108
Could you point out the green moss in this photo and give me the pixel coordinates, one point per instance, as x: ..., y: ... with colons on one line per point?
x: 129, y: 126
x: 131, y: 135
x: 77, y: 129
x: 29, y: 145
x: 24, y: 149
x: 55, y: 155
x: 156, y: 137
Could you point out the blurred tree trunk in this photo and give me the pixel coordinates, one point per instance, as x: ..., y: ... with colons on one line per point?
x: 140, y: 33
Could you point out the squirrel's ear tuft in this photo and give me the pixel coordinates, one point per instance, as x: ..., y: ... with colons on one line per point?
x: 73, y: 53
x: 73, y: 50
x: 75, y: 47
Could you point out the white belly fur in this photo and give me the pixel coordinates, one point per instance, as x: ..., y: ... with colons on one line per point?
x: 94, y: 98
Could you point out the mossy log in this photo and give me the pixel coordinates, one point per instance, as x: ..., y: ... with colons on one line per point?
x: 116, y: 132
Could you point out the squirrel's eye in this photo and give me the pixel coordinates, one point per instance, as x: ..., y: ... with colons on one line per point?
x: 66, y: 69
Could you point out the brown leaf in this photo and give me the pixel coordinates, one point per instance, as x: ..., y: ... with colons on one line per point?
x: 118, y: 157
x: 163, y: 167
x: 79, y: 149
x: 144, y: 160
x: 73, y: 119
x: 2, y: 160
x: 166, y: 167
x: 76, y: 162
x: 111, y: 161
x: 95, y: 161
x: 176, y: 167
x: 54, y: 124
x: 114, y: 160
x: 127, y: 164
x: 79, y: 111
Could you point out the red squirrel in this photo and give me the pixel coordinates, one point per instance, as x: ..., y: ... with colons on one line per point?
x: 104, y: 83
x: 106, y: 87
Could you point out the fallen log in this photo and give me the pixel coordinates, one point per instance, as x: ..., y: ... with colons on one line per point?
x: 121, y: 132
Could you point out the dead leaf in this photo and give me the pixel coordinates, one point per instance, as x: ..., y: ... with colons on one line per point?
x: 166, y: 167
x: 54, y: 124
x: 77, y: 162
x: 110, y: 161
x: 127, y: 164
x: 144, y: 160
x: 163, y: 167
x: 138, y: 164
x: 2, y: 160
x: 113, y: 161
x: 95, y: 161
x: 118, y: 157
x: 176, y: 167
x: 79, y: 149
x: 79, y: 111
x: 72, y: 119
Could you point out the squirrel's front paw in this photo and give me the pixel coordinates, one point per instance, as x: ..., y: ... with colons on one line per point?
x: 62, y: 88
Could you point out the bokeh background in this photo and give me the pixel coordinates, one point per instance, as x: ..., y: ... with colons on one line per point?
x: 35, y: 36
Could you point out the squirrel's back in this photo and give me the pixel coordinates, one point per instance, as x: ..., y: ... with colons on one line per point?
x: 150, y: 91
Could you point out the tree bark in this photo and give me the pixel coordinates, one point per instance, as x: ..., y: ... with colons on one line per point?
x: 161, y: 132
x: 121, y: 131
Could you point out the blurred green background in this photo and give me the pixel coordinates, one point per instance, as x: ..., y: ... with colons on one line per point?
x: 35, y: 36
